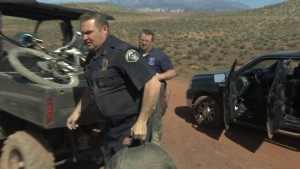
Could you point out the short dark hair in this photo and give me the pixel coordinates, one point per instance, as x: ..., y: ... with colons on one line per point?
x: 100, y: 19
x: 148, y: 32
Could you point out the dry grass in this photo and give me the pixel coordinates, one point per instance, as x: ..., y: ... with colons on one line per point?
x: 196, y: 42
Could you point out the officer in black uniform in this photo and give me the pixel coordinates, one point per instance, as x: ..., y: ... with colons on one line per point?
x: 123, y: 86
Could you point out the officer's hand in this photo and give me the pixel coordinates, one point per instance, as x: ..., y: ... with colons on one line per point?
x: 139, y: 131
x: 158, y: 76
x: 71, y: 122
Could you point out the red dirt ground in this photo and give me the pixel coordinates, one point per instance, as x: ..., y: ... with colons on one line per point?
x: 193, y: 147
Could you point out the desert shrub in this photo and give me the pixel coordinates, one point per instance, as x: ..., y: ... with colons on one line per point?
x: 259, y: 48
x: 224, y: 51
x: 220, y: 58
x: 242, y: 46
x: 284, y: 48
x: 213, y: 49
x: 292, y: 44
x: 190, y: 45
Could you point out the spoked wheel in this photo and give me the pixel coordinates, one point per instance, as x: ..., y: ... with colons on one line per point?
x: 37, y: 67
x: 207, y: 112
x: 23, y: 151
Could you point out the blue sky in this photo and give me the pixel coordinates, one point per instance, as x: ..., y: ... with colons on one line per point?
x: 250, y: 3
x: 258, y: 3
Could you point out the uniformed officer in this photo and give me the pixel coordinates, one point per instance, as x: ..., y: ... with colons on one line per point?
x: 164, y: 68
x: 122, y: 85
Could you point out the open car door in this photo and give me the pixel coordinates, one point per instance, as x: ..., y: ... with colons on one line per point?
x: 230, y: 97
x: 276, y: 98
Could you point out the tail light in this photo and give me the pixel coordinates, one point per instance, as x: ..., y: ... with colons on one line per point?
x: 49, y: 117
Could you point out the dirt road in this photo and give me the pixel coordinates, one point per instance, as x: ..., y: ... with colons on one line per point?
x: 192, y: 147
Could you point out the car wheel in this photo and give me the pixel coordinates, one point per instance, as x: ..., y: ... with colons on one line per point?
x: 207, y: 112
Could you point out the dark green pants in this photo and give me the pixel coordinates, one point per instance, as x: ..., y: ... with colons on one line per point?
x: 159, y: 111
x: 114, y: 134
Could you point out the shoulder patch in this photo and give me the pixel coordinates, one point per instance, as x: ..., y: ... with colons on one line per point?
x: 132, y: 55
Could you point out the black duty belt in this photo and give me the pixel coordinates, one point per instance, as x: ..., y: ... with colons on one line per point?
x: 119, y: 122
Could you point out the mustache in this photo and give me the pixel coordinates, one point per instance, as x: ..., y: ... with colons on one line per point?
x: 86, y: 42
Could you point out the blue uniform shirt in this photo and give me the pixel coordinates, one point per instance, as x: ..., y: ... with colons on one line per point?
x: 158, y: 60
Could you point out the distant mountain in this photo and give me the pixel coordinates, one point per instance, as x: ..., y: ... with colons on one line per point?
x: 288, y: 8
x: 181, y: 5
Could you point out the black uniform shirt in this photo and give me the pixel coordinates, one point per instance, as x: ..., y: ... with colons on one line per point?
x: 116, y: 77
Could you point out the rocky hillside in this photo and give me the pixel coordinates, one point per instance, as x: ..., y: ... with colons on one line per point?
x: 289, y: 8
x: 209, y: 41
x: 181, y: 5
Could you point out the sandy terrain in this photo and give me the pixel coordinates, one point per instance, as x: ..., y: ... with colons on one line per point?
x: 240, y: 147
x: 192, y: 147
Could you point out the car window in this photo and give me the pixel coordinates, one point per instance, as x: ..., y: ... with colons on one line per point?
x: 265, y: 64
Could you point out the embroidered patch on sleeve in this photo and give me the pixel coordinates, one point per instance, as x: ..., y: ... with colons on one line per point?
x: 132, y: 55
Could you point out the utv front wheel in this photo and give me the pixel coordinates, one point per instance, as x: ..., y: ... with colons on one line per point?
x: 24, y: 151
x: 207, y: 112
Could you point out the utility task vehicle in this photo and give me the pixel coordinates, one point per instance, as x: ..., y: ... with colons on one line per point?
x: 262, y: 93
x: 33, y: 131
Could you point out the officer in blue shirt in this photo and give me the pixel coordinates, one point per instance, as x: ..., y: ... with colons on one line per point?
x: 164, y: 68
x: 122, y: 85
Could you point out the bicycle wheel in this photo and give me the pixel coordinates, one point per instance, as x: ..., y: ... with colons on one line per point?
x: 28, y: 62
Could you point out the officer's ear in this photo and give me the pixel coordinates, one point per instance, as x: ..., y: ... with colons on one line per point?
x: 106, y: 29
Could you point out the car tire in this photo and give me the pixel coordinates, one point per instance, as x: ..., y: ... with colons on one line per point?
x: 208, y: 112
x: 23, y: 150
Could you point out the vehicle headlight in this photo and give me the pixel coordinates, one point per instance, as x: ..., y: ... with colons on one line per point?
x: 190, y: 85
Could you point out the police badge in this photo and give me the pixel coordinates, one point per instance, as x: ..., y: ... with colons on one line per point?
x: 132, y: 55
x: 104, y: 64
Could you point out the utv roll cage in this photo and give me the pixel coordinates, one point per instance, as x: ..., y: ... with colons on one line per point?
x: 31, y: 9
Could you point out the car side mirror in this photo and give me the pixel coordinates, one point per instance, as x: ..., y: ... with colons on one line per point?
x: 219, y: 78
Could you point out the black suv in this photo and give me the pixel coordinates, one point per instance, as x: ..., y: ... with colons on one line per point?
x: 264, y: 92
